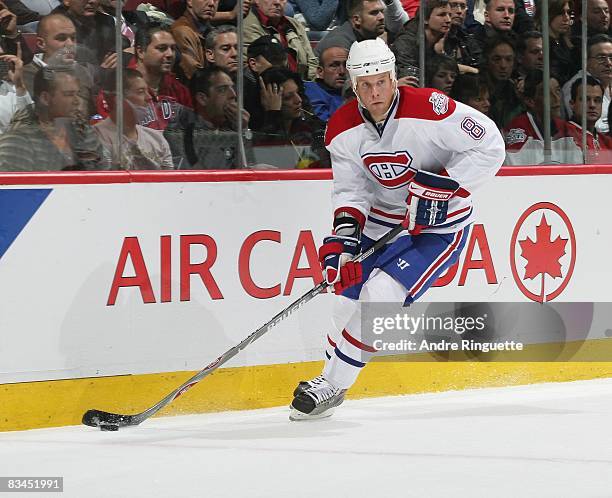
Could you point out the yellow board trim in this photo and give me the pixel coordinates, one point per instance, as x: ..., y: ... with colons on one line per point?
x: 56, y: 403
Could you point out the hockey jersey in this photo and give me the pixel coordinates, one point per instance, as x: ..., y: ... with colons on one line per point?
x: 424, y: 130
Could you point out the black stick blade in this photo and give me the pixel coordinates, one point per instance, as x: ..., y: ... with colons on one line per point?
x: 98, y: 418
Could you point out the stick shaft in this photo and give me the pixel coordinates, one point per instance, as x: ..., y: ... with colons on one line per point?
x: 230, y: 353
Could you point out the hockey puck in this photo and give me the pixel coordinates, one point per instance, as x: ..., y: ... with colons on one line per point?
x: 109, y: 427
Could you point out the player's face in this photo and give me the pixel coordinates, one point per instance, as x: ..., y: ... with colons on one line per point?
x: 333, y: 70
x: 204, y: 10
x: 598, y: 15
x: 160, y: 53
x: 599, y: 62
x: 560, y: 25
x: 594, y: 102
x: 458, y: 11
x: 376, y: 93
x: 292, y: 101
x: 439, y: 21
x: 225, y: 53
x: 443, y: 80
x: 82, y: 8
x: 501, y: 62
x: 500, y: 14
x: 371, y: 20
x: 274, y: 9
x: 533, y: 56
x: 481, y: 103
x: 59, y: 38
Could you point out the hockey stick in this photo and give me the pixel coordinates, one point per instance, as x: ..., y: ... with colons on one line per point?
x: 113, y: 421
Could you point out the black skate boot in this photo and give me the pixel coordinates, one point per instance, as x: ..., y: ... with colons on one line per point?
x: 305, y: 384
x: 316, y: 401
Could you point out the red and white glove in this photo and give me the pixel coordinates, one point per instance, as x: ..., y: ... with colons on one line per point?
x: 335, y: 256
x: 428, y: 196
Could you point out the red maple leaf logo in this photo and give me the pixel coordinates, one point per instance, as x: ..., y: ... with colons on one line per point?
x: 543, y: 255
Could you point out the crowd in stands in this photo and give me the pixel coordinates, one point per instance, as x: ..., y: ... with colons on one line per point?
x: 59, y: 105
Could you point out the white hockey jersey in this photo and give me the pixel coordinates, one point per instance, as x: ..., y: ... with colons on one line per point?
x: 424, y: 130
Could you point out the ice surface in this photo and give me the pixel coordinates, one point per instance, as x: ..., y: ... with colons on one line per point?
x: 546, y: 440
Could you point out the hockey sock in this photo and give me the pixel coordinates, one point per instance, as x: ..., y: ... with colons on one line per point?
x: 351, y: 354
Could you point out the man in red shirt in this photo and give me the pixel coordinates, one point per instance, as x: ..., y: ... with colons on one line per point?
x: 154, y: 59
x: 155, y: 56
x: 530, y: 123
x: 599, y: 146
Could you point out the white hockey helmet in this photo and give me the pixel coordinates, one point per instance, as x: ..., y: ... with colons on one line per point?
x: 370, y: 57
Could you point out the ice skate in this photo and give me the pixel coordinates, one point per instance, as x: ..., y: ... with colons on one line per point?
x: 305, y: 384
x: 316, y: 401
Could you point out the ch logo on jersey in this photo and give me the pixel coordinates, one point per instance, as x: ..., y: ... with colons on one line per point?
x: 391, y: 169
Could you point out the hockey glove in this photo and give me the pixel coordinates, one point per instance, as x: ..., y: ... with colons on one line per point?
x: 335, y: 256
x: 428, y: 196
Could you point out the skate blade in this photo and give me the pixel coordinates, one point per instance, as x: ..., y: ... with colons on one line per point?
x: 298, y: 416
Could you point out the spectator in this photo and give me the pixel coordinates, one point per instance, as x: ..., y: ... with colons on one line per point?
x: 499, y: 64
x: 325, y: 93
x: 459, y: 43
x: 366, y: 21
x: 508, y: 17
x: 141, y: 148
x: 14, y: 95
x: 406, y: 45
x: 529, y: 53
x: 286, y: 121
x: 529, y: 124
x: 470, y: 89
x: 206, y: 138
x: 266, y: 18
x: 598, y: 18
x: 227, y: 11
x: 190, y: 32
x: 562, y: 57
x: 51, y: 135
x: 395, y: 17
x: 10, y: 37
x: 28, y: 15
x: 441, y: 73
x: 222, y: 49
x: 95, y: 31
x: 109, y: 7
x: 40, y: 7
x: 318, y: 14
x: 263, y: 53
x: 529, y: 56
x: 458, y: 12
x: 501, y: 18
x: 155, y: 55
x: 599, y: 65
x: 56, y: 37
x: 599, y: 146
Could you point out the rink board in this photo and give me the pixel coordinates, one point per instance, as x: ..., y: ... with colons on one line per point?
x: 114, y: 286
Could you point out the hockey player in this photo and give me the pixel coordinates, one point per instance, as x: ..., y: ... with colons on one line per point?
x: 404, y: 155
